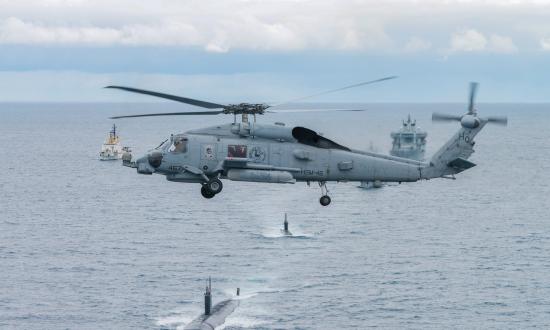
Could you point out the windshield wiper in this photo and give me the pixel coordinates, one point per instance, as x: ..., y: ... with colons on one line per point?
x: 160, y: 145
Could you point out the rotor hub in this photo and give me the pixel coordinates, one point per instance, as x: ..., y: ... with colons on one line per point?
x: 246, y: 108
x: 469, y: 121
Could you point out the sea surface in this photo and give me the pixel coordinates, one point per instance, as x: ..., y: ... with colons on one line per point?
x: 86, y: 244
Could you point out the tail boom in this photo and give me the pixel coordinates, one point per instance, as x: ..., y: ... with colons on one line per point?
x: 452, y: 158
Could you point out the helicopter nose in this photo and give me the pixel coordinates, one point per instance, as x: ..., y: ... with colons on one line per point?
x: 148, y: 163
x: 155, y: 158
x: 143, y: 166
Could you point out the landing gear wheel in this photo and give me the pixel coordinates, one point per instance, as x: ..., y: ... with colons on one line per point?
x: 206, y: 193
x: 324, y: 200
x: 215, y: 186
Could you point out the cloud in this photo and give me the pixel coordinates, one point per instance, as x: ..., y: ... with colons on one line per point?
x: 216, y: 27
x: 15, y: 31
x: 277, y: 25
x: 545, y: 44
x: 468, y: 41
x: 474, y: 41
x: 416, y: 44
x: 253, y: 34
x: 501, y: 44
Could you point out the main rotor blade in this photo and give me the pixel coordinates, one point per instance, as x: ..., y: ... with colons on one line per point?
x: 194, y: 113
x: 186, y: 100
x: 473, y: 91
x: 436, y: 116
x: 338, y: 89
x: 313, y: 110
x: 499, y: 120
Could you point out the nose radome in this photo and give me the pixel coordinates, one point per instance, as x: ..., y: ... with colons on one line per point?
x: 155, y: 158
x: 143, y: 166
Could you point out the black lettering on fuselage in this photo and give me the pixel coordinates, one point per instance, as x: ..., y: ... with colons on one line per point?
x: 314, y: 172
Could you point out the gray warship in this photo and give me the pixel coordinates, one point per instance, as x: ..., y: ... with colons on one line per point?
x: 409, y: 141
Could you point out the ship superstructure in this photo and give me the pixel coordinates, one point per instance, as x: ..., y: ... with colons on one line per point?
x: 111, y: 149
x: 409, y: 141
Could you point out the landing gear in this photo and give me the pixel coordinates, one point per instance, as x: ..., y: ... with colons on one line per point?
x: 215, y: 186
x: 206, y: 193
x: 211, y: 188
x: 325, y: 199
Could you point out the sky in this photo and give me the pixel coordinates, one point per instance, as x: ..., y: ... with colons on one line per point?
x: 272, y: 51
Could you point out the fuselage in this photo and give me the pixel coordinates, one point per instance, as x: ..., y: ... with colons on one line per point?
x: 280, y: 149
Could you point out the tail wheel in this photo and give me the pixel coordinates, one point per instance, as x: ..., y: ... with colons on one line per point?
x: 214, y: 185
x: 206, y: 193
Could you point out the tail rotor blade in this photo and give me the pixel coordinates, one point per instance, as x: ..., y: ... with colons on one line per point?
x: 445, y: 117
x: 473, y: 91
x: 499, y: 120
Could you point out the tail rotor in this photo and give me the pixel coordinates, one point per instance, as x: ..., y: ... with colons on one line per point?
x: 470, y: 119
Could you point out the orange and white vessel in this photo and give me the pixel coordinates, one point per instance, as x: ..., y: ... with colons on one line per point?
x: 111, y: 149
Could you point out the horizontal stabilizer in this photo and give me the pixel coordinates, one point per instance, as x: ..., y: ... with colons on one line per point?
x: 460, y: 164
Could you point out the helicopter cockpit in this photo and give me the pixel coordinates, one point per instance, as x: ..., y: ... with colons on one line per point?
x: 175, y: 144
x: 178, y: 144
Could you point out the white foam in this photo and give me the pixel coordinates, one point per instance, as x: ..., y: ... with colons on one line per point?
x: 242, y: 322
x: 174, y: 321
x: 278, y: 233
x: 179, y: 317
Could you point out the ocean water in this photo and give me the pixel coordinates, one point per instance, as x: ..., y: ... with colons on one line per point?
x: 86, y: 244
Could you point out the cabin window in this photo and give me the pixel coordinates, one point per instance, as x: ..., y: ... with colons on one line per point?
x: 179, y: 144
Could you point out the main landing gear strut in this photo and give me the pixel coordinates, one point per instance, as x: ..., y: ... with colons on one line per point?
x: 325, y: 199
x: 211, y: 188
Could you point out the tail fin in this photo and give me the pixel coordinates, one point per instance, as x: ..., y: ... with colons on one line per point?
x: 452, y: 157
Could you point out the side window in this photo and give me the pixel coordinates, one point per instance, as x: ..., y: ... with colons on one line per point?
x: 237, y: 150
x: 179, y: 145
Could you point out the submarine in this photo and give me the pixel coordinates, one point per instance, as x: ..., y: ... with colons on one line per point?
x: 214, y: 316
x: 285, y: 231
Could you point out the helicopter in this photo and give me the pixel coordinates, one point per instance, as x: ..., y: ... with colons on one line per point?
x: 253, y: 152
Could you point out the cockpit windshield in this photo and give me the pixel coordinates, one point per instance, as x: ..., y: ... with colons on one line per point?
x: 163, y: 145
x: 178, y: 144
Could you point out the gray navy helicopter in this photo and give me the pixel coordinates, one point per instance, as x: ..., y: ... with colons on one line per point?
x: 248, y: 151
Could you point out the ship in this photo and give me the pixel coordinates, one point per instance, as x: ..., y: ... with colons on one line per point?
x: 111, y: 149
x: 409, y: 141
